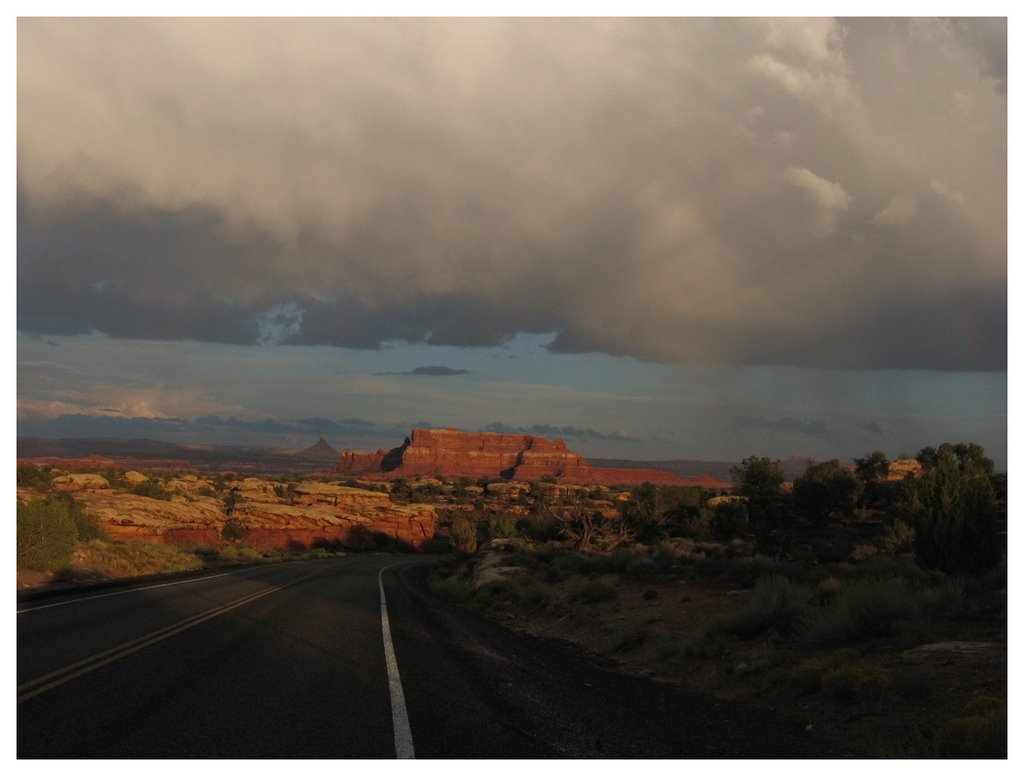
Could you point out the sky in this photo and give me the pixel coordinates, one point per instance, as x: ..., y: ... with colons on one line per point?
x: 659, y: 238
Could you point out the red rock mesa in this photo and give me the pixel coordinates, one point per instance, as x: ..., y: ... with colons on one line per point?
x: 450, y: 454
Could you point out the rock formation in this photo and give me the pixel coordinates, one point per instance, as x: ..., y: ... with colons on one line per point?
x: 451, y: 454
x: 314, y: 515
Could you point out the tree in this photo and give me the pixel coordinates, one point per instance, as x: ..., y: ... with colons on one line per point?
x: 760, y: 481
x: 825, y: 490
x: 953, y: 509
x: 967, y: 454
x: 873, y: 467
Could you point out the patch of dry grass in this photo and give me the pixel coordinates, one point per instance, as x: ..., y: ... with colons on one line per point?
x: 98, y: 560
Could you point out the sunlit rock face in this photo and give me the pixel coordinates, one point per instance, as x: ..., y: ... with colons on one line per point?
x: 317, y: 515
x: 451, y: 454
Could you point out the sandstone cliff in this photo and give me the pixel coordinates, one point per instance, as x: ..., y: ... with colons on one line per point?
x: 452, y: 454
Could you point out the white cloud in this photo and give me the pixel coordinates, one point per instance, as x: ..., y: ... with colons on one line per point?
x: 946, y: 192
x: 901, y: 210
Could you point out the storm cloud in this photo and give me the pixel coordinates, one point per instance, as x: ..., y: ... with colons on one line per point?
x: 805, y: 192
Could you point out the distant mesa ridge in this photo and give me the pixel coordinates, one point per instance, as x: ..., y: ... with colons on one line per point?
x: 449, y: 453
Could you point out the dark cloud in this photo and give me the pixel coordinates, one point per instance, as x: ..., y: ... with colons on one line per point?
x: 871, y: 427
x: 546, y: 430
x: 208, y: 428
x: 429, y: 371
x: 807, y: 427
x: 756, y: 191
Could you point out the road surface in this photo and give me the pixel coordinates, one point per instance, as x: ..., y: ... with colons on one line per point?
x: 305, y: 660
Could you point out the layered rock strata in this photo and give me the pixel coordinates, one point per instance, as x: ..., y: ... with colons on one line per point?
x: 452, y: 454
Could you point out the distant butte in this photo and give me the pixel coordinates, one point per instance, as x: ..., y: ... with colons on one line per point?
x: 321, y: 451
x: 450, y: 454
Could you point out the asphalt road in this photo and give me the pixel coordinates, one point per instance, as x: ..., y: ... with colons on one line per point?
x: 291, y: 661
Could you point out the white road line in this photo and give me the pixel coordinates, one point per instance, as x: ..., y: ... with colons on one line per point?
x: 134, y: 590
x: 399, y: 714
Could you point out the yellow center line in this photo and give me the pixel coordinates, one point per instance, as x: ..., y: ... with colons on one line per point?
x: 41, y: 684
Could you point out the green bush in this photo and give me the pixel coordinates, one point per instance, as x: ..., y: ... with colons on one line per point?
x: 233, y: 530
x: 502, y: 526
x: 46, y: 534
x: 151, y: 489
x: 542, y: 527
x: 979, y: 733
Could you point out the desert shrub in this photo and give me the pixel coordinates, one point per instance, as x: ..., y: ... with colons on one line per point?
x: 827, y: 590
x: 236, y: 554
x: 947, y: 597
x: 502, y: 526
x: 151, y: 489
x: 776, y: 604
x: 913, y: 686
x: 883, y: 566
x: 898, y: 537
x: 621, y: 557
x: 840, y: 657
x: 463, y: 535
x: 797, y: 681
x: 233, y: 530
x: 979, y: 733
x: 539, y: 527
x: 87, y: 524
x: 450, y: 589
x: 862, y: 609
x: 35, y: 477
x: 849, y: 684
x: 532, y: 592
x: 46, y: 534
x: 643, y: 567
x: 594, y: 591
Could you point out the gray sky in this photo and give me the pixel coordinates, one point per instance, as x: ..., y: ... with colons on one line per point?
x: 663, y: 237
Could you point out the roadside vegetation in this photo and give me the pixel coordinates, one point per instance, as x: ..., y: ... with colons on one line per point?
x: 865, y: 606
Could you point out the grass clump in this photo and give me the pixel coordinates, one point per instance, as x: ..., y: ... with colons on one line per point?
x: 863, y: 608
x: 776, y: 604
x: 111, y: 560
